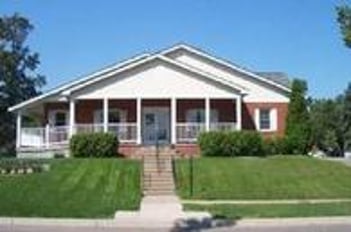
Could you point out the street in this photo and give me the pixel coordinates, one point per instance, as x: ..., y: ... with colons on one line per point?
x: 289, y: 227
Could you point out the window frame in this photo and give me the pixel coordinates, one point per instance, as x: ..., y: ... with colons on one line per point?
x: 273, y: 119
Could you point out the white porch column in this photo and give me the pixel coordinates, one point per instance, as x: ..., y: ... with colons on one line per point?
x: 238, y: 104
x: 72, y: 117
x: 138, y: 119
x: 105, y: 114
x: 18, y: 129
x: 173, y: 120
x: 207, y: 113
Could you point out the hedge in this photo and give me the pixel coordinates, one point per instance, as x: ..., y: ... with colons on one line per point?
x: 231, y: 143
x: 94, y: 145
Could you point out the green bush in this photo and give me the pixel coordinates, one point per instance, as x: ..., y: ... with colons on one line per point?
x: 275, y: 146
x: 94, y: 145
x: 233, y: 143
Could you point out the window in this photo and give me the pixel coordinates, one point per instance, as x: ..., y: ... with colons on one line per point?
x: 198, y: 115
x: 114, y: 116
x: 58, y: 118
x: 266, y: 119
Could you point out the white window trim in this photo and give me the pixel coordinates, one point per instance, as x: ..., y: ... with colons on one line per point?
x: 273, y: 118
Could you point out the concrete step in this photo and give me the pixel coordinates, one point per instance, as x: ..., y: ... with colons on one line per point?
x: 159, y: 193
x: 157, y: 190
x: 157, y: 176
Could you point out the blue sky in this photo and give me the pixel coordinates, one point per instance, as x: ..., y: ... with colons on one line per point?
x: 299, y: 37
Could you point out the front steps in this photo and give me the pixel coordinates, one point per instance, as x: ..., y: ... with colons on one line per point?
x: 160, y: 207
x: 158, y: 171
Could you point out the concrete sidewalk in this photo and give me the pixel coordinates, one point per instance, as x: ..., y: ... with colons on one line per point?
x: 112, y: 223
x: 265, y: 202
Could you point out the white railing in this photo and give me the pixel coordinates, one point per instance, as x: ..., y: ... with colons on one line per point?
x: 223, y: 126
x: 33, y: 136
x: 126, y: 132
x: 44, y: 136
x: 188, y: 132
x: 88, y: 128
x: 58, y: 135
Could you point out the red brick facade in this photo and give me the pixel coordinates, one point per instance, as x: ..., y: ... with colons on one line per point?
x: 248, y: 116
x: 226, y: 113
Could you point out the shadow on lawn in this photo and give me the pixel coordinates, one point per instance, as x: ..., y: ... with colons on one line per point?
x: 206, y: 223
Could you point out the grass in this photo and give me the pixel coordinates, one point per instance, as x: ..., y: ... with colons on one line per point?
x: 89, y: 188
x: 273, y: 211
x: 280, y: 177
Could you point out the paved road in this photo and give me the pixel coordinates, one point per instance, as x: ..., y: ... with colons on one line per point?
x: 346, y: 227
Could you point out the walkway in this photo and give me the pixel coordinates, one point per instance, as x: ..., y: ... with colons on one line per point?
x: 265, y: 202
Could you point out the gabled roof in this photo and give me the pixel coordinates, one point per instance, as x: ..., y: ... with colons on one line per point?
x: 278, y: 77
x: 238, y: 88
x: 72, y: 86
x: 69, y: 88
x: 78, y: 81
x: 225, y: 63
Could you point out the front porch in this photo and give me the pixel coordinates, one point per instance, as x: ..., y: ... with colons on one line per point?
x: 139, y: 121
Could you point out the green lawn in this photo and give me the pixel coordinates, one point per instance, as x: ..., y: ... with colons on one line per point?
x: 73, y: 188
x: 279, y: 177
x: 269, y: 211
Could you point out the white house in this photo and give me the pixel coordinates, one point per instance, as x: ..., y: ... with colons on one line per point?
x: 168, y: 97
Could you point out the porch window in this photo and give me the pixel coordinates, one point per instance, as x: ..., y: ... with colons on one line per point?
x: 198, y: 115
x: 114, y: 116
x: 58, y: 118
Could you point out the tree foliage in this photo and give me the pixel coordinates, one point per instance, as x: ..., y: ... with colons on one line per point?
x: 344, y: 20
x: 331, y: 123
x: 297, y: 122
x: 18, y: 77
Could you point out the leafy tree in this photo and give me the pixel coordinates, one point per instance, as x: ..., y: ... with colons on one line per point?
x: 331, y: 123
x: 324, y: 119
x: 18, y: 77
x: 297, y: 124
x: 344, y: 20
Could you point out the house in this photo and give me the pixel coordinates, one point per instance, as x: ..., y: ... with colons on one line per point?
x: 168, y: 97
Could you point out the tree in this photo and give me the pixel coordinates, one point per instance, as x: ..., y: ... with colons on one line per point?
x: 331, y: 123
x: 344, y: 20
x: 18, y: 77
x: 297, y: 123
x: 324, y: 119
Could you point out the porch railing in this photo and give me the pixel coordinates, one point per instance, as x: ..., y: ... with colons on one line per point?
x: 223, y: 126
x: 126, y: 132
x: 59, y: 135
x: 44, y: 136
x: 89, y: 128
x: 188, y: 132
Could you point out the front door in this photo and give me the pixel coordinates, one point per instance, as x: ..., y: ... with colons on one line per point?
x: 156, y: 125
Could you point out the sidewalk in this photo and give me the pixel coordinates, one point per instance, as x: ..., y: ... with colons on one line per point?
x: 111, y: 223
x: 265, y: 202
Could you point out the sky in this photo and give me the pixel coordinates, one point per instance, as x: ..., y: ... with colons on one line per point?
x: 298, y: 37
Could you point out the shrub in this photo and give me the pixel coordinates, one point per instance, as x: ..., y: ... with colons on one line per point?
x: 275, y: 146
x: 233, y: 143
x: 94, y: 145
